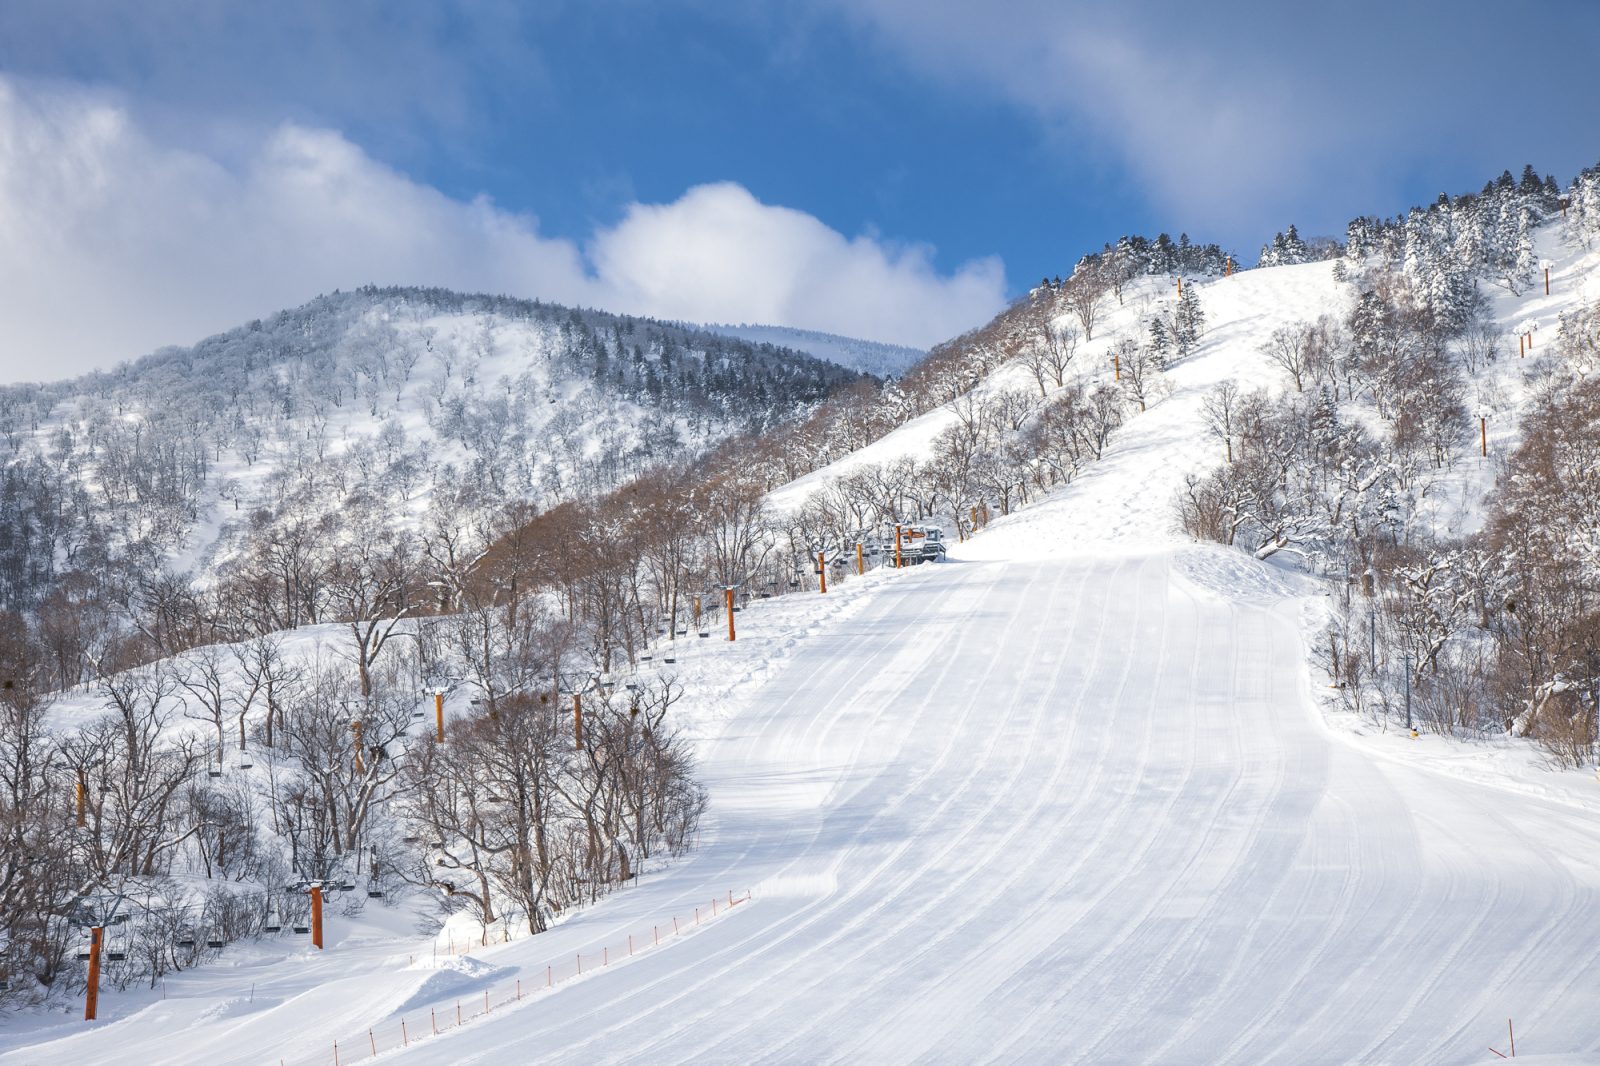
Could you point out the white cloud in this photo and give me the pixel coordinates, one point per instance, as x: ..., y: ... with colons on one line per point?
x: 720, y: 255
x: 113, y: 243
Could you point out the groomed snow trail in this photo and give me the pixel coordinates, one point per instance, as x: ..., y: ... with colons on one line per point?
x: 1080, y: 810
x: 1067, y: 799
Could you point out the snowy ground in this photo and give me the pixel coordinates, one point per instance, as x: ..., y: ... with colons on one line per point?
x: 1067, y: 797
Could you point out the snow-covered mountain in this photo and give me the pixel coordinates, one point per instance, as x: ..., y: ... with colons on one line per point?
x: 869, y: 357
x: 378, y: 400
x: 1129, y: 779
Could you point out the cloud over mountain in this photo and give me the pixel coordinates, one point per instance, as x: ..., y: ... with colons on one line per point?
x: 119, y: 240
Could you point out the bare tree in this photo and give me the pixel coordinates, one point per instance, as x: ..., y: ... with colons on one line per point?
x: 1219, y: 409
x: 1291, y: 349
x: 1083, y: 293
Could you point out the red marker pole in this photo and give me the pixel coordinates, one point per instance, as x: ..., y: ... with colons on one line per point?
x: 316, y: 916
x: 728, y: 593
x: 91, y: 995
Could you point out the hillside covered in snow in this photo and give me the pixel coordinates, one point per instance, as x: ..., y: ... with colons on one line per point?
x: 869, y: 357
x: 1250, y: 718
x: 363, y: 410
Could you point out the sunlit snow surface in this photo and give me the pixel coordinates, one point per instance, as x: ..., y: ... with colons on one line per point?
x: 1069, y: 797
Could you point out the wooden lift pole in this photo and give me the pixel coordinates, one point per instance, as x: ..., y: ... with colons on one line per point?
x: 897, y: 563
x: 861, y: 563
x: 577, y: 720
x: 91, y: 995
x: 728, y: 596
x: 316, y: 916
x: 83, y: 804
x: 822, y: 571
x: 438, y: 716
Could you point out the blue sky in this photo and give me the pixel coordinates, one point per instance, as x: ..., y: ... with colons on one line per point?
x: 701, y: 159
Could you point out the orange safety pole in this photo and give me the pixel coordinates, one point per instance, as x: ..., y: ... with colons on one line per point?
x: 438, y: 715
x: 1530, y: 340
x: 577, y: 720
x: 1116, y: 365
x: 316, y: 916
x: 861, y: 564
x: 1522, y: 346
x: 1483, y: 436
x: 83, y: 814
x: 728, y: 593
x: 897, y: 563
x: 91, y: 996
x: 822, y: 571
x: 1180, y: 286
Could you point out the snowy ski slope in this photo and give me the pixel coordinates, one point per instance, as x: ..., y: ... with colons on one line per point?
x: 1067, y: 798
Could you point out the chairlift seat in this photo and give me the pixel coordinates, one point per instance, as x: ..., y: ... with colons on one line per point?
x: 374, y: 893
x: 214, y: 942
x: 271, y: 927
x: 116, y: 956
x: 669, y: 659
x: 186, y: 941
x: 302, y: 929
